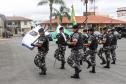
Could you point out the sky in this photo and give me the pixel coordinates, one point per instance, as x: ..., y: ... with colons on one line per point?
x: 29, y: 8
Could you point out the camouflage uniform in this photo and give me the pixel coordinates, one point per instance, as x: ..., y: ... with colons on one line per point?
x: 76, y: 53
x: 105, y: 49
x: 85, y: 40
x: 39, y: 59
x: 91, y: 53
x: 113, y: 47
x: 60, y: 52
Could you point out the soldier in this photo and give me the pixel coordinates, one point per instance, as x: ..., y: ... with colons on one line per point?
x: 113, y: 45
x: 106, y: 41
x: 85, y: 38
x: 60, y: 52
x: 43, y: 47
x: 92, y: 44
x: 76, y: 45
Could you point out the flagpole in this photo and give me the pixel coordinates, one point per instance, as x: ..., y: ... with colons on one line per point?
x: 86, y: 24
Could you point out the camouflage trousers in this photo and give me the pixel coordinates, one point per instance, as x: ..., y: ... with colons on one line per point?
x: 90, y: 55
x: 106, y: 50
x: 60, y: 53
x: 75, y: 58
x: 113, y: 53
x: 39, y: 60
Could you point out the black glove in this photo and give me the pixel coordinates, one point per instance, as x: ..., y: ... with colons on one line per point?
x: 32, y: 44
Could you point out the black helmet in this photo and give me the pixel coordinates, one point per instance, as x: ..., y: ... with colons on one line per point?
x: 41, y: 30
x: 91, y: 29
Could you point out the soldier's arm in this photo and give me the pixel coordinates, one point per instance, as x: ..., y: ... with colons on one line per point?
x: 74, y: 42
x: 41, y: 41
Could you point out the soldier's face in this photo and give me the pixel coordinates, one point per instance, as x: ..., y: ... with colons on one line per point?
x: 90, y: 32
x: 41, y: 33
x: 62, y: 30
x: 74, y: 30
x: 105, y: 31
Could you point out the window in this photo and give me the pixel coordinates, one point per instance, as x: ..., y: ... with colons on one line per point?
x: 25, y: 22
x: 9, y: 23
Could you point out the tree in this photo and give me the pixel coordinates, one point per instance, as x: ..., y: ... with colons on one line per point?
x: 63, y: 11
x: 85, y: 2
x: 50, y: 2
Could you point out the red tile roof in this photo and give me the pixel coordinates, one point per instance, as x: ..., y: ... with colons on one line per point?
x: 17, y: 18
x: 91, y: 19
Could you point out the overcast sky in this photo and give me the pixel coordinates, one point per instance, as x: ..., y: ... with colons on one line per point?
x: 29, y: 8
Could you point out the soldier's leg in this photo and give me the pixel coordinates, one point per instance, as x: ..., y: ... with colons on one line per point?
x: 113, y: 54
x: 100, y: 52
x: 43, y: 64
x: 93, y: 56
x: 56, y: 54
x: 107, y: 54
x: 63, y: 60
x: 87, y: 58
x: 76, y: 65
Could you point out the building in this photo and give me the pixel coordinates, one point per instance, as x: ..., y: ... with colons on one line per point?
x: 2, y: 24
x: 18, y: 24
x: 92, y: 20
x: 121, y: 13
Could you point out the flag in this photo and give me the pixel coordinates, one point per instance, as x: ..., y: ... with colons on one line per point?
x: 73, y: 19
x: 32, y: 37
x: 53, y: 34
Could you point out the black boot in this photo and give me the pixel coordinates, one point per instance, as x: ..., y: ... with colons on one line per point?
x: 81, y: 62
x: 43, y: 72
x: 62, y: 65
x: 103, y: 61
x: 93, y: 70
x: 76, y: 75
x: 107, y: 65
x: 113, y: 62
x: 89, y: 64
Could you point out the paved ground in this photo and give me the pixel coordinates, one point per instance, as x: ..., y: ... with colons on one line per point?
x: 17, y: 67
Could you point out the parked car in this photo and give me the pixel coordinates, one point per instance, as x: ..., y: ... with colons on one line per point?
x: 7, y: 34
x: 122, y: 31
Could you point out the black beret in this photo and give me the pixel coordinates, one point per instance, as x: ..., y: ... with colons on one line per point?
x: 91, y: 29
x: 75, y: 26
x: 41, y: 30
x: 61, y: 28
x: 105, y: 28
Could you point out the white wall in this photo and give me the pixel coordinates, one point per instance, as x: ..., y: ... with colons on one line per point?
x: 1, y: 23
x: 25, y: 26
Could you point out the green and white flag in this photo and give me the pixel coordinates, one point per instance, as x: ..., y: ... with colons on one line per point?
x: 53, y: 34
x: 73, y: 19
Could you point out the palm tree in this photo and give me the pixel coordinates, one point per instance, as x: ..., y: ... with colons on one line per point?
x: 85, y: 2
x: 50, y: 2
x: 63, y: 11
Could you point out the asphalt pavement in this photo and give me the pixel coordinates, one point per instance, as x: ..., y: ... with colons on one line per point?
x: 17, y: 67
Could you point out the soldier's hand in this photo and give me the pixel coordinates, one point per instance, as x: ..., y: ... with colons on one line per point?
x: 68, y: 43
x: 32, y: 44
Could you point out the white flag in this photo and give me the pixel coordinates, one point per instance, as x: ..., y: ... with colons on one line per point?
x: 31, y: 37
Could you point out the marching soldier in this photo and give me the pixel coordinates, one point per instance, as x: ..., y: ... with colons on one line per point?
x: 76, y: 45
x: 113, y: 46
x: 85, y: 40
x: 43, y: 47
x: 60, y: 52
x: 106, y: 41
x: 92, y: 44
